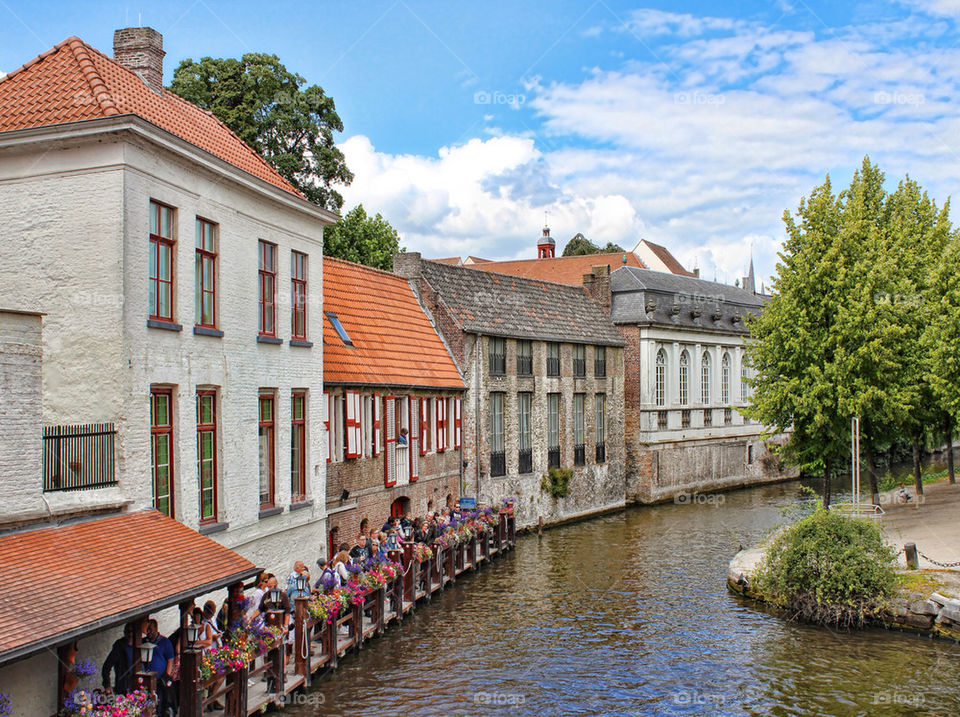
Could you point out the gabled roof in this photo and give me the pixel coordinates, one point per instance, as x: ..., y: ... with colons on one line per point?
x: 73, y: 82
x: 68, y: 581
x: 642, y: 296
x: 668, y: 259
x: 503, y: 305
x: 562, y: 269
x: 449, y: 260
x: 394, y: 342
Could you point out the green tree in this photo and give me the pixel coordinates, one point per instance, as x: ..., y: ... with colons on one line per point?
x: 266, y: 105
x: 362, y: 239
x: 580, y: 246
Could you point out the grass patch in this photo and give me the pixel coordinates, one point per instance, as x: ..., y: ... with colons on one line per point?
x: 890, y: 482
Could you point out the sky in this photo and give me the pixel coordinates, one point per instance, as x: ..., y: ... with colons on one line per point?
x: 690, y: 124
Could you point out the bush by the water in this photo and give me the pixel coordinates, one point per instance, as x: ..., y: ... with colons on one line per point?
x: 829, y: 569
x: 556, y: 482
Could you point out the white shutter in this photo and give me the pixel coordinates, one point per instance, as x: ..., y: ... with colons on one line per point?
x: 390, y: 459
x: 456, y: 423
x: 377, y: 425
x: 414, y: 439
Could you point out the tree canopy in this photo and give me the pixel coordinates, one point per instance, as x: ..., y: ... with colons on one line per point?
x: 843, y: 334
x: 580, y: 245
x: 266, y: 105
x: 362, y: 239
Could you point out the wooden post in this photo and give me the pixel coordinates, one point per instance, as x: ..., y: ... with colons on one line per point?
x: 910, y: 551
x: 146, y: 681
x: 191, y: 698
x: 358, y: 625
x: 235, y: 604
x: 512, y: 529
x: 380, y: 603
x: 409, y: 575
x: 451, y: 564
x: 502, y: 529
x: 301, y: 637
x: 275, y: 657
x: 472, y: 552
x: 236, y: 698
x: 333, y: 642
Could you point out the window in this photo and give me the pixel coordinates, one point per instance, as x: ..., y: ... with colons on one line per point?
x: 266, y: 450
x: 725, y: 379
x: 684, y: 378
x: 298, y: 447
x: 524, y: 406
x: 727, y: 417
x: 338, y: 327
x: 368, y: 427
x: 268, y: 288
x: 390, y: 441
x: 77, y: 457
x: 161, y: 262
x: 161, y: 449
x: 441, y: 424
x: 661, y: 420
x: 749, y: 454
x: 426, y: 408
x: 600, y: 361
x: 579, y: 360
x: 524, y: 358
x: 743, y: 382
x: 660, y: 387
x: 206, y: 274
x: 705, y: 378
x: 207, y: 454
x: 498, y: 356
x: 498, y: 463
x: 553, y: 359
x: 456, y: 422
x: 553, y: 430
x: 451, y: 437
x: 298, y: 296
x: 353, y: 427
x: 600, y: 417
x: 685, y: 418
x: 708, y: 417
x: 579, y: 453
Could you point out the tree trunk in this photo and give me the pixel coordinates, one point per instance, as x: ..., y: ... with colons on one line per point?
x: 917, y: 477
x: 827, y: 472
x: 949, y: 427
x: 872, y: 475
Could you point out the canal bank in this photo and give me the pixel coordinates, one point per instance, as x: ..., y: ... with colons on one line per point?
x: 629, y: 614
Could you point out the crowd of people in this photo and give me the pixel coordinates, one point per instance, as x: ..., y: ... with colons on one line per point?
x: 265, y: 596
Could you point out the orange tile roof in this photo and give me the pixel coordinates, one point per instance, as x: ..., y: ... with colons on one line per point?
x: 73, y: 82
x: 394, y: 342
x: 63, y: 582
x: 561, y: 269
x: 668, y: 259
x: 449, y: 260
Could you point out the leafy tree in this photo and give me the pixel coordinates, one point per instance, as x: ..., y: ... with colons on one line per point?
x: 266, y: 105
x: 580, y: 246
x: 362, y: 239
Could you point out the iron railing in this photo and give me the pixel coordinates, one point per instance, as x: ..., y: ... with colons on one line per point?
x: 78, y: 457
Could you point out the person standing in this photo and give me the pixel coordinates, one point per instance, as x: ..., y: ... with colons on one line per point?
x: 119, y: 664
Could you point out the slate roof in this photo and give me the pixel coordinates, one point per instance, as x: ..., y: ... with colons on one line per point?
x: 562, y: 269
x: 394, y: 342
x: 503, y: 305
x: 67, y: 581
x: 642, y: 296
x: 73, y: 81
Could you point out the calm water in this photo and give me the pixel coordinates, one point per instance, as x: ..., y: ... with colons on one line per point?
x: 630, y: 614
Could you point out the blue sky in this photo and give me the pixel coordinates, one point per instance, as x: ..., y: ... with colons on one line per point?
x: 691, y: 124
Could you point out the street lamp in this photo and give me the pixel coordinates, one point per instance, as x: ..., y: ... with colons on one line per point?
x: 193, y: 634
x: 303, y: 584
x: 146, y: 655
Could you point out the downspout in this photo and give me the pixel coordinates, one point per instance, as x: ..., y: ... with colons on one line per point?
x: 476, y: 411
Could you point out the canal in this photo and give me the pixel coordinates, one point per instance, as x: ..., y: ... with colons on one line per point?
x: 629, y: 614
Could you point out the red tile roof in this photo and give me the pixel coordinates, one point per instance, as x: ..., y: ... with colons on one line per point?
x: 63, y: 582
x: 394, y: 342
x: 561, y: 269
x: 449, y: 260
x: 668, y: 259
x: 73, y: 82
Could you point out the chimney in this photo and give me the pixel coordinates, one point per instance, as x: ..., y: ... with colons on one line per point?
x: 597, y: 286
x: 408, y: 265
x: 140, y: 49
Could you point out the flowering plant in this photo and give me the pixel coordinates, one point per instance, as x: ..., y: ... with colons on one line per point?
x: 325, y: 608
x: 421, y: 552
x: 446, y: 540
x: 83, y: 669
x: 93, y: 703
x: 260, y: 638
x: 390, y: 570
x: 6, y: 705
x: 227, y: 658
x: 506, y: 506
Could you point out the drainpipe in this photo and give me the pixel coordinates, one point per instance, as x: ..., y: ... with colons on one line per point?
x: 476, y: 411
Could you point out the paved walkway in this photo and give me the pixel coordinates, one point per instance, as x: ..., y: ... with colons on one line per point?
x: 933, y: 522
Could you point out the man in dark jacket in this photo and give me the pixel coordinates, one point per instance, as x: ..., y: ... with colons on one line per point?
x: 119, y: 662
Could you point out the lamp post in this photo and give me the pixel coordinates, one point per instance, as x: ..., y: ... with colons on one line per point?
x: 146, y: 679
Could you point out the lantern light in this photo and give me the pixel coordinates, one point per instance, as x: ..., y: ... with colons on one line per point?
x: 146, y: 655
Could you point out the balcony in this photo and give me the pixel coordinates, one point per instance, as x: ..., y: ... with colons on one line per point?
x: 78, y: 457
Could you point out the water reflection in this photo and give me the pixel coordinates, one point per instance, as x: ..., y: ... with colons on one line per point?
x: 629, y: 614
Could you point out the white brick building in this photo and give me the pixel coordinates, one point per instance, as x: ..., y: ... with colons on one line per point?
x: 103, y: 176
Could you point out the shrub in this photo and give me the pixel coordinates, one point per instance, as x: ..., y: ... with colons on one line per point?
x: 556, y: 482
x: 828, y: 569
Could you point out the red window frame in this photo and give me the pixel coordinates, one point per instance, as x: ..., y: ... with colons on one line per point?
x: 390, y: 441
x: 377, y: 433
x: 298, y: 298
x: 270, y: 425
x: 456, y: 423
x: 267, y: 282
x: 424, y: 426
x: 157, y: 430
x: 414, y: 438
x: 298, y: 428
x: 211, y: 428
x: 441, y: 417
x: 157, y: 239
x: 327, y: 419
x: 206, y: 252
x: 353, y: 426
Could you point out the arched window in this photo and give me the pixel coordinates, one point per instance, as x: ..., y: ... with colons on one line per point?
x: 743, y: 382
x: 705, y: 378
x: 684, y: 378
x: 725, y: 379
x: 661, y: 379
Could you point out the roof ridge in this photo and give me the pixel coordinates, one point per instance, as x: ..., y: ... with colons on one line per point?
x: 98, y: 88
x: 577, y: 287
x: 327, y: 257
x: 41, y: 56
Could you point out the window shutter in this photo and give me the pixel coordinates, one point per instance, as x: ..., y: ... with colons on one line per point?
x: 350, y: 423
x: 358, y: 424
x: 441, y: 418
x: 414, y: 439
x: 456, y: 422
x: 390, y: 440
x: 326, y: 424
x: 424, y: 426
x: 377, y: 433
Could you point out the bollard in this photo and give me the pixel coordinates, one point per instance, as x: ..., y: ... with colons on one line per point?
x: 910, y: 551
